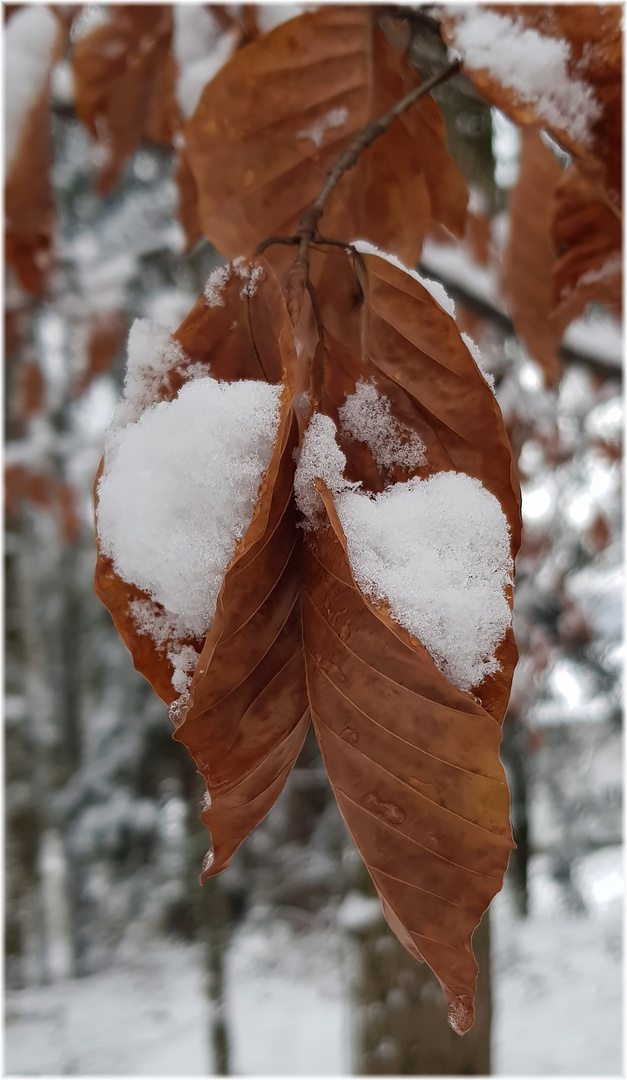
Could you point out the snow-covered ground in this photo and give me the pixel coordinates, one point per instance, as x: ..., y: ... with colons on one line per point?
x: 557, y: 1002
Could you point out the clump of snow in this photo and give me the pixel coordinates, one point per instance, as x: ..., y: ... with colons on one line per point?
x: 220, y: 277
x: 30, y: 38
x: 200, y: 49
x: 366, y: 416
x: 436, y: 551
x: 475, y: 352
x: 179, y: 489
x: 152, y: 620
x: 183, y: 660
x: 335, y: 118
x: 532, y: 64
x: 151, y: 353
x: 320, y: 459
x: 437, y: 291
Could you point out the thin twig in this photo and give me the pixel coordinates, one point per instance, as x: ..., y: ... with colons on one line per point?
x: 309, y: 221
x: 308, y: 227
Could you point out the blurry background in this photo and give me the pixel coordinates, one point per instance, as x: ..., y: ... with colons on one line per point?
x: 117, y: 961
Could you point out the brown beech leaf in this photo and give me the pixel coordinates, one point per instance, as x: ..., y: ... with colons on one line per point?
x: 593, y: 39
x: 29, y: 201
x: 413, y: 760
x: 271, y: 124
x: 243, y: 337
x: 124, y: 83
x: 414, y: 765
x: 106, y: 336
x: 246, y: 716
x: 587, y: 237
x: 527, y: 266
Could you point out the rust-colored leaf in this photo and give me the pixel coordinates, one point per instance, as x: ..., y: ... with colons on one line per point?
x: 526, y: 273
x: 414, y: 765
x: 107, y: 334
x: 413, y: 760
x: 592, y: 37
x: 247, y: 715
x: 273, y: 121
x: 587, y: 238
x: 188, y: 200
x: 124, y: 83
x: 29, y: 201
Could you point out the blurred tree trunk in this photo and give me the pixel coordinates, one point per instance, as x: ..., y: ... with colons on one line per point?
x: 398, y: 1025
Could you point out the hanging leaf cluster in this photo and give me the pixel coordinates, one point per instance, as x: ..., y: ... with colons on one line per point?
x: 297, y: 636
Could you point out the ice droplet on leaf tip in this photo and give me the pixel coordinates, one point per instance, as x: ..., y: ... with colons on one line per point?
x: 207, y: 862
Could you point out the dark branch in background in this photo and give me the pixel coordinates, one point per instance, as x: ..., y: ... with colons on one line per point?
x: 488, y: 310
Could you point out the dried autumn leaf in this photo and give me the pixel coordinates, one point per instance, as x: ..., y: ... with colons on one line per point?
x: 29, y: 201
x: 414, y: 765
x: 246, y: 716
x: 273, y: 121
x: 412, y: 759
x: 587, y: 237
x: 124, y: 83
x: 106, y: 336
x: 527, y: 266
x: 557, y: 66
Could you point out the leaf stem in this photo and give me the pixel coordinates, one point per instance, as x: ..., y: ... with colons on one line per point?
x: 349, y: 158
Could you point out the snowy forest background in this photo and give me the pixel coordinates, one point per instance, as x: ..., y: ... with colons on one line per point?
x: 117, y: 961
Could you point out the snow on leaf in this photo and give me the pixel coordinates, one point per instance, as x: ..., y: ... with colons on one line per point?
x: 256, y: 171
x: 414, y: 765
x: 557, y: 66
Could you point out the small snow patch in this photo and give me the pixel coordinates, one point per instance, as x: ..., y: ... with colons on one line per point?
x: 219, y: 278
x: 320, y: 459
x: 335, y: 118
x: 475, y: 352
x: 366, y: 416
x: 437, y: 291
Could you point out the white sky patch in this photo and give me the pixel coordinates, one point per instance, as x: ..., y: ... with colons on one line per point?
x: 179, y: 490
x: 366, y: 416
x: 436, y: 550
x: 533, y: 65
x: 30, y: 38
x: 475, y: 352
x: 437, y: 291
x: 271, y: 15
x: 335, y: 118
x: 200, y: 49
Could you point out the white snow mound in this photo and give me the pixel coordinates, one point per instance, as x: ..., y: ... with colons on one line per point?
x: 179, y: 489
x: 436, y: 551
